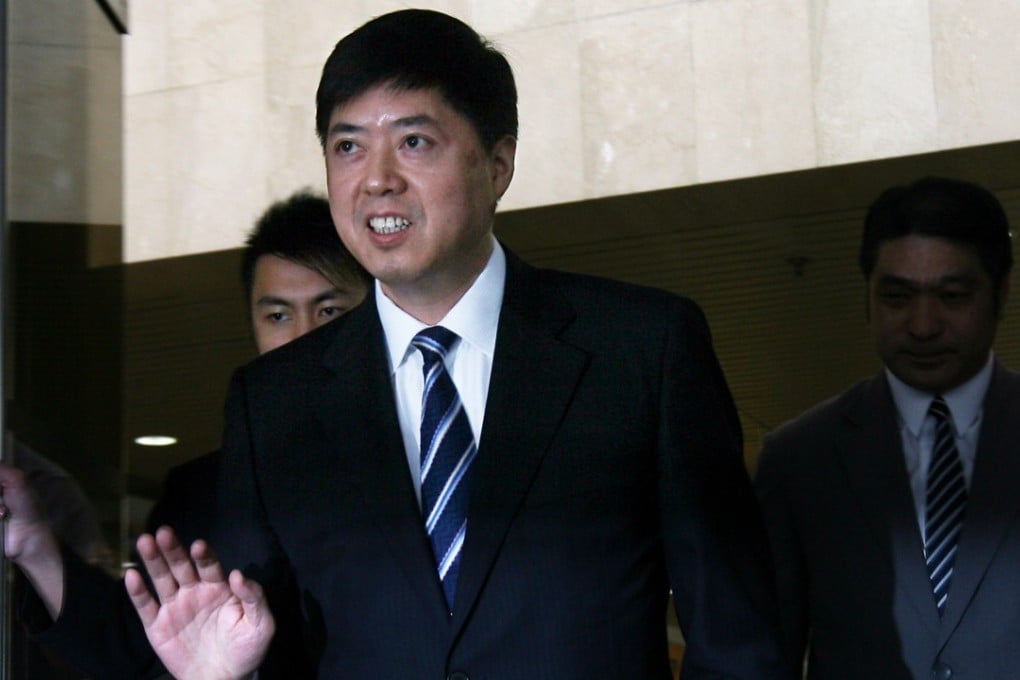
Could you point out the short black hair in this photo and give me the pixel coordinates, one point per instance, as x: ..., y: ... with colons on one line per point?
x: 300, y: 229
x: 421, y: 49
x: 959, y: 211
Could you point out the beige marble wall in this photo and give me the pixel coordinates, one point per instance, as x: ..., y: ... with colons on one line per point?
x: 65, y: 130
x: 617, y: 96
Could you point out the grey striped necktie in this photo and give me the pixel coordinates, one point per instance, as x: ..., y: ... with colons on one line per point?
x: 447, y: 451
x: 945, y: 503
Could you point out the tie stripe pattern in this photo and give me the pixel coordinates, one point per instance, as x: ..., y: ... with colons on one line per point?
x: 447, y: 451
x: 945, y: 503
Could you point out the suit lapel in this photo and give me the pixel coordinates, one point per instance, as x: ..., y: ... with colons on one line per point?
x: 872, y: 454
x: 534, y: 375
x: 994, y: 494
x: 357, y: 412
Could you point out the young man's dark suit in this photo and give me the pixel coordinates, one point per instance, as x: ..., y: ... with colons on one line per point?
x: 848, y: 550
x: 610, y: 452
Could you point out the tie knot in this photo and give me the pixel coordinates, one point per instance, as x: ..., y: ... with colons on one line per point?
x: 434, y: 343
x: 939, y: 408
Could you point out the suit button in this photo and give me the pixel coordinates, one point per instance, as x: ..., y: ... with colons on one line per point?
x: 457, y: 675
x: 941, y: 671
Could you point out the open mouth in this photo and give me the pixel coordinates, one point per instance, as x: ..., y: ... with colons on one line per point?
x: 388, y: 225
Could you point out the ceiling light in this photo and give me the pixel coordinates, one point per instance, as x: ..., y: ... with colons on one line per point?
x: 156, y: 440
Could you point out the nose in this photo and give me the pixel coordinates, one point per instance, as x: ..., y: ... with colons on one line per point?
x: 382, y: 174
x: 303, y: 323
x: 925, y: 321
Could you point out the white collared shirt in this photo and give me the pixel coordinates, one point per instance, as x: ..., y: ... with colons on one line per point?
x: 917, y: 428
x: 474, y: 318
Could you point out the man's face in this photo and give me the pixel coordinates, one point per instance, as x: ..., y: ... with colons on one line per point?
x: 413, y: 192
x: 932, y: 311
x: 289, y: 299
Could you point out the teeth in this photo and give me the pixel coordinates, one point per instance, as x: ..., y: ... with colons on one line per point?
x: 388, y: 225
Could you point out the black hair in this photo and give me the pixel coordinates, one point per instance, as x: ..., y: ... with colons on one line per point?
x: 421, y: 49
x: 959, y: 211
x: 300, y: 229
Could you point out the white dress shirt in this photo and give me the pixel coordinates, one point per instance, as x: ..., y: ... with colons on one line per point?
x: 474, y: 318
x: 917, y: 428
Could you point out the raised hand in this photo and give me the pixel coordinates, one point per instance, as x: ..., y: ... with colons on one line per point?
x: 203, y: 626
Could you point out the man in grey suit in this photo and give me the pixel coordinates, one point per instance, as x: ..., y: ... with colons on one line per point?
x: 892, y: 508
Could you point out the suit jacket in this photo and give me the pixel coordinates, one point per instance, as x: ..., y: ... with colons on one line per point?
x: 609, y: 471
x: 853, y: 584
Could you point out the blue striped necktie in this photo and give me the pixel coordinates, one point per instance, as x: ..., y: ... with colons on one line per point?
x: 447, y: 450
x: 945, y: 503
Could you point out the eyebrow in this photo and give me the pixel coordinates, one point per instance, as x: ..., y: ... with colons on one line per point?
x: 893, y: 280
x: 416, y: 120
x: 327, y: 295
x: 274, y: 301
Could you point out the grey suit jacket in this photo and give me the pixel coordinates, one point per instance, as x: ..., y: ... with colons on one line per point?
x: 852, y: 581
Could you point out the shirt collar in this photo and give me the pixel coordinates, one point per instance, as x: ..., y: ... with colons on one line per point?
x: 474, y: 318
x: 964, y: 400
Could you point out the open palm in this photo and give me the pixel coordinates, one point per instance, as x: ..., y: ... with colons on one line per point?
x: 203, y: 626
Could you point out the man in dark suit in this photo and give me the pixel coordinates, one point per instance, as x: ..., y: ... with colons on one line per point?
x: 892, y: 508
x: 296, y: 276
x: 598, y: 442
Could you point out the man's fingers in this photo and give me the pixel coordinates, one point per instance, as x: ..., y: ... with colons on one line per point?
x: 155, y: 564
x: 252, y: 598
x: 167, y: 563
x: 245, y: 589
x: 206, y: 562
x: 177, y: 558
x: 145, y: 605
x: 171, y: 567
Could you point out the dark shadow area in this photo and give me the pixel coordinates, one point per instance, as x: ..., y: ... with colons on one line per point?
x: 66, y: 322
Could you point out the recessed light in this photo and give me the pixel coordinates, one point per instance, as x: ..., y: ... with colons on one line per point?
x: 155, y: 440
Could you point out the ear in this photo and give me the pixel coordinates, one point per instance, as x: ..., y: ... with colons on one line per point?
x: 1003, y: 295
x: 867, y: 300
x: 501, y: 162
